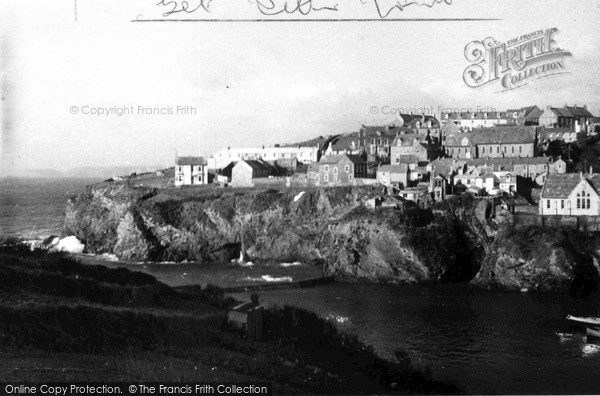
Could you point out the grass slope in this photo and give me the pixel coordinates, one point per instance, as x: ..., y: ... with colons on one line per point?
x: 64, y: 321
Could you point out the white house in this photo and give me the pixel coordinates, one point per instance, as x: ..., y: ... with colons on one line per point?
x: 477, y: 180
x: 570, y: 194
x: 224, y: 157
x: 389, y: 175
x: 507, y: 182
x: 191, y: 171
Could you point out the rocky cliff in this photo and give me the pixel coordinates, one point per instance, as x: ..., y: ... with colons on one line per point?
x: 328, y: 227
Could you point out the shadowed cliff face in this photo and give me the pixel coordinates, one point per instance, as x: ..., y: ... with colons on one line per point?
x: 329, y: 227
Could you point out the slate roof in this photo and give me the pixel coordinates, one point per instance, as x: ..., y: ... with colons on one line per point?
x: 571, y: 112
x: 335, y: 159
x: 344, y: 142
x: 544, y: 133
x: 403, y: 168
x: 445, y: 166
x: 579, y: 111
x: 191, y: 161
x: 527, y: 110
x: 385, y: 130
x: 560, y: 186
x: 562, y: 112
x: 408, y: 159
x: 508, y: 161
x: 259, y: 165
x: 407, y: 139
x: 356, y: 159
x: 411, y: 120
x: 495, y: 115
x: 504, y: 135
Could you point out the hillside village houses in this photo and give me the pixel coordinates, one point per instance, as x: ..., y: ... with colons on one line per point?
x: 224, y: 157
x: 409, y: 145
x: 547, y: 135
x: 470, y: 121
x: 572, y: 117
x: 499, y: 155
x: 573, y: 194
x: 492, y: 143
x: 332, y: 170
x: 190, y: 171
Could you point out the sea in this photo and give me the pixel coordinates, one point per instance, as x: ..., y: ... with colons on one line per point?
x: 485, y: 342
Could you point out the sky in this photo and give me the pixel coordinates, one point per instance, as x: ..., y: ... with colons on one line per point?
x: 248, y: 84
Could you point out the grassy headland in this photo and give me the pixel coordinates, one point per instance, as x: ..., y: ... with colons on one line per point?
x: 61, y: 320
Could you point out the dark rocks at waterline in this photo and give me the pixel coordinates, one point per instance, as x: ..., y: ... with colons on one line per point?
x: 330, y: 227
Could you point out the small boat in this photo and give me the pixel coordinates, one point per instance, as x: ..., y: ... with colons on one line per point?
x: 593, y: 332
x: 585, y: 320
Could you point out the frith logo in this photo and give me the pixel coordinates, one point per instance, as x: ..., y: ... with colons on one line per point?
x: 515, y: 63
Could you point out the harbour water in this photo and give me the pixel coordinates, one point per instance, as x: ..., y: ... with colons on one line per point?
x: 482, y: 341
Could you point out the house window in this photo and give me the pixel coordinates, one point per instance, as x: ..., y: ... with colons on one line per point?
x: 512, y: 149
x: 335, y: 170
x: 350, y: 177
x: 497, y: 149
x: 520, y: 149
x: 326, y: 168
x: 548, y: 203
x: 483, y: 150
x: 179, y: 169
x: 326, y: 177
x: 562, y: 203
x: 578, y: 201
x: 347, y: 168
x: 373, y: 142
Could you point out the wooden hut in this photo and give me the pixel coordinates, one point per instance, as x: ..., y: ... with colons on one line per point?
x: 247, y: 316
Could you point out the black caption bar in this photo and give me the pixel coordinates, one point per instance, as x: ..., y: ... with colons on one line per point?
x: 135, y: 388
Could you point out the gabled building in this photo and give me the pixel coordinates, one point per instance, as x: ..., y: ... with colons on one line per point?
x: 492, y: 143
x: 191, y: 171
x: 529, y: 116
x: 570, y: 195
x: 547, y: 135
x: 245, y: 172
x: 481, y: 181
x: 409, y: 145
x: 528, y: 167
x: 425, y: 125
x: 334, y: 170
x: 344, y: 144
x: 572, y: 117
x: 442, y: 172
x: 525, y: 116
x: 224, y: 157
x: 475, y: 120
x: 249, y: 318
x: 376, y: 140
x: 394, y: 175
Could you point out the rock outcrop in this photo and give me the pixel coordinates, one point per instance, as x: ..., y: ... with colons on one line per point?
x: 330, y: 227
